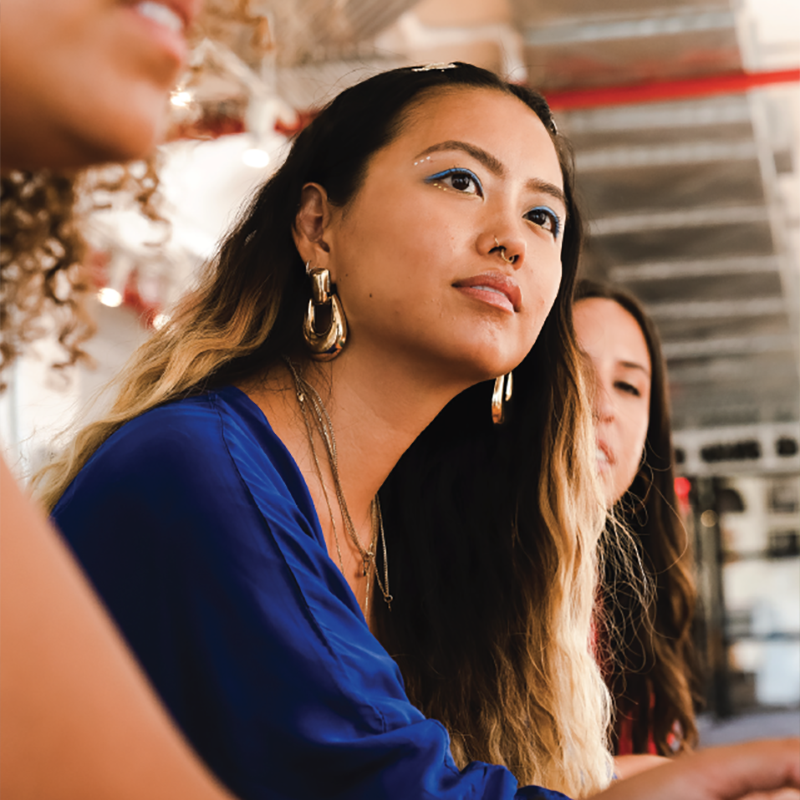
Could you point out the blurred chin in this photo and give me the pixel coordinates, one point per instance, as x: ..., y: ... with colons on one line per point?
x: 612, y: 496
x: 120, y: 137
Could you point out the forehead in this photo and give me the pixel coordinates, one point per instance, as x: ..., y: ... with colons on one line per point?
x: 607, y: 331
x: 496, y: 121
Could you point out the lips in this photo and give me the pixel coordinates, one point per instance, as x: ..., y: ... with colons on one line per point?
x: 493, y: 288
x: 164, y: 23
x: 177, y: 15
x: 605, y: 457
x: 186, y: 9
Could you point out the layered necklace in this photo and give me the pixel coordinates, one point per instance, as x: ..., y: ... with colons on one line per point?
x: 315, y: 415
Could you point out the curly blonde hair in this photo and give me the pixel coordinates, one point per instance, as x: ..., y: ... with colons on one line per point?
x: 41, y: 273
x: 45, y: 283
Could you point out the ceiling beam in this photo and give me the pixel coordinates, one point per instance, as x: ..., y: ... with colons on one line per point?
x: 700, y: 268
x: 675, y: 89
x: 698, y: 217
x: 730, y: 369
x: 611, y: 30
x: 694, y: 113
x: 661, y: 155
x: 732, y: 345
x: 718, y: 309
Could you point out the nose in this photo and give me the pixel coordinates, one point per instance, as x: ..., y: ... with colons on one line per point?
x: 507, y: 247
x: 603, y: 402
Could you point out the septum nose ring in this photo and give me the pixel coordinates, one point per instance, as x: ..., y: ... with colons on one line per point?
x: 502, y: 249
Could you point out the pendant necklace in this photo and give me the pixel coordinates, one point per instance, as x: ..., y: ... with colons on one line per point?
x: 315, y: 415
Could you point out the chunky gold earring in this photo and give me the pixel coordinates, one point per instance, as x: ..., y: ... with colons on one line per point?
x: 503, y: 388
x: 328, y: 344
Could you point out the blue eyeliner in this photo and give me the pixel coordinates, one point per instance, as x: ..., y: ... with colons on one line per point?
x: 456, y: 171
x: 439, y: 176
x: 556, y: 220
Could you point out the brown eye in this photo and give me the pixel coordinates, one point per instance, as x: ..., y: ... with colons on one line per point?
x: 628, y: 388
x: 462, y: 181
x: 545, y: 218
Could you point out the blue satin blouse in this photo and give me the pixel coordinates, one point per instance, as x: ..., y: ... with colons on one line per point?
x: 198, y: 531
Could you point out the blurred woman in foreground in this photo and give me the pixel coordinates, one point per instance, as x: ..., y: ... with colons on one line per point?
x: 83, y: 82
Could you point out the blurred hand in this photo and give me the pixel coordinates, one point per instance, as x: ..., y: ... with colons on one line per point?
x: 765, y: 770
x: 628, y: 766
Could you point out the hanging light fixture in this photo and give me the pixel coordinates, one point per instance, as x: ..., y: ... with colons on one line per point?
x: 110, y: 297
x: 181, y: 98
x: 256, y: 157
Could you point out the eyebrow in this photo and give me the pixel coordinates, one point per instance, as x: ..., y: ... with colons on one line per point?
x: 494, y: 166
x: 635, y: 365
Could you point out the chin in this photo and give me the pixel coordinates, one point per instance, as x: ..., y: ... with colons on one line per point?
x: 494, y: 357
x: 126, y: 126
x: 486, y: 369
x: 124, y: 140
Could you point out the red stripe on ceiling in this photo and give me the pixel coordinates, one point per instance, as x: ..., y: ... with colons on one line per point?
x: 655, y: 91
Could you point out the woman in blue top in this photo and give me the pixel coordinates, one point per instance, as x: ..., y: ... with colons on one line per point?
x: 419, y: 243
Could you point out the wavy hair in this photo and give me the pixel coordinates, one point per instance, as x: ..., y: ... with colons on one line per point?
x: 41, y: 241
x: 493, y: 530
x: 43, y: 279
x: 41, y: 251
x: 652, y: 669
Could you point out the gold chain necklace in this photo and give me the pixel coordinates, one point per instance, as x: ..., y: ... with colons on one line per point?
x: 307, y: 396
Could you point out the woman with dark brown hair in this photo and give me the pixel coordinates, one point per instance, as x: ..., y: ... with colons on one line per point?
x: 649, y: 660
x: 317, y: 465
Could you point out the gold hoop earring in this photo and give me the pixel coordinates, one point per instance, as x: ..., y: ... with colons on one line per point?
x: 503, y: 388
x: 327, y: 345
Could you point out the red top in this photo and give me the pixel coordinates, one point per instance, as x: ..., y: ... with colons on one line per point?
x: 625, y: 730
x: 626, y: 716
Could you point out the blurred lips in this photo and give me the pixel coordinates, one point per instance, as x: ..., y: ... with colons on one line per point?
x: 177, y: 15
x: 166, y: 22
x: 493, y: 288
x: 605, y: 457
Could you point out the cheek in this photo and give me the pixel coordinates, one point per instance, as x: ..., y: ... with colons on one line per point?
x: 542, y: 289
x: 113, y: 97
x: 631, y: 455
x: 393, y: 249
x: 640, y: 420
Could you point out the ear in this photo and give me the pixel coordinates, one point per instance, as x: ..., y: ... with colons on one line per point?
x: 310, y: 225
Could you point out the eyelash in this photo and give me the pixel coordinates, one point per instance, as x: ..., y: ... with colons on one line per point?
x: 552, y: 222
x: 627, y: 387
x: 436, y: 180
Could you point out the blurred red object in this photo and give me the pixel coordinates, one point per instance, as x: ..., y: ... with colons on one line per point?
x: 682, y: 488
x: 659, y: 91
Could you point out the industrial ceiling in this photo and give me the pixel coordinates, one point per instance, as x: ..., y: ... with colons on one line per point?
x: 692, y: 191
x: 690, y: 177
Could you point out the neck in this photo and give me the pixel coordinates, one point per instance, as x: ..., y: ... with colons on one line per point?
x: 377, y: 409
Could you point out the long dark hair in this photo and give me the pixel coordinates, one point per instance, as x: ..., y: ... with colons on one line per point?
x: 652, y: 670
x: 492, y: 530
